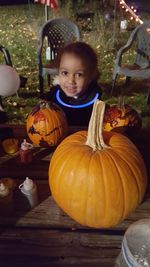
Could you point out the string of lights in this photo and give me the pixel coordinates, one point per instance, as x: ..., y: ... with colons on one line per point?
x: 131, y: 10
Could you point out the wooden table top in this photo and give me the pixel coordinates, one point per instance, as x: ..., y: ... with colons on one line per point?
x: 45, y: 235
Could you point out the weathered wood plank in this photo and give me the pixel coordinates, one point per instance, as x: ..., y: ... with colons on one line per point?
x: 17, y: 261
x: 44, y: 239
x: 52, y: 216
x: 59, y: 245
x: 48, y: 215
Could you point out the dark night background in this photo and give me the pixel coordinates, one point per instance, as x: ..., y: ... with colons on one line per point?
x: 140, y: 5
x: 12, y: 2
x: 15, y: 2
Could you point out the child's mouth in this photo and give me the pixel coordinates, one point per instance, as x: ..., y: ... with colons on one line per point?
x: 71, y: 90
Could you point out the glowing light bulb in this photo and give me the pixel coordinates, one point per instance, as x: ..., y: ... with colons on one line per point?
x: 131, y: 10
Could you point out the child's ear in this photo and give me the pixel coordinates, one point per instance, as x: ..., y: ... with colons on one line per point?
x: 56, y: 80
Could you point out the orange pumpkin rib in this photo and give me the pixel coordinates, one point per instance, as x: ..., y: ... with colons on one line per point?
x: 134, y: 162
x: 80, y: 184
x: 58, y: 159
x: 116, y: 140
x: 45, y: 125
x: 118, y: 211
x: 63, y: 183
x: 54, y: 167
x: 83, y: 206
x: 125, y: 174
x: 53, y: 122
x: 87, y: 212
x: 95, y: 206
x: 96, y: 200
x: 136, y: 159
x: 78, y: 138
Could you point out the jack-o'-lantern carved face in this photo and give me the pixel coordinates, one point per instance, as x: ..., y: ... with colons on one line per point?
x: 46, y: 125
x: 39, y: 123
x: 122, y: 119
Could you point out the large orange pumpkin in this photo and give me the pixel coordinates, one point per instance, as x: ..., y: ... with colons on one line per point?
x: 46, y: 124
x: 98, y: 180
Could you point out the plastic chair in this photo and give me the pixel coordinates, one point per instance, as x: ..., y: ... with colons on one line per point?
x: 6, y: 55
x: 54, y: 34
x: 140, y: 68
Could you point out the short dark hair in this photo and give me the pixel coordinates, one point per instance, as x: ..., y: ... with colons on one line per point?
x: 86, y: 53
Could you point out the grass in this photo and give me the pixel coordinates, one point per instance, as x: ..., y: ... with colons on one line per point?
x: 19, y: 34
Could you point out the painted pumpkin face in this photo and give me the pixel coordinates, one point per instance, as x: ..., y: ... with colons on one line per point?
x: 123, y: 120
x: 46, y: 125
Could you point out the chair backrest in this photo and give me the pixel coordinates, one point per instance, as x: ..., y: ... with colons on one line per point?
x: 6, y: 55
x: 58, y: 32
x: 143, y: 45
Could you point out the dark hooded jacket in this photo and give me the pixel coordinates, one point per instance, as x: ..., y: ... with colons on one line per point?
x: 77, y: 110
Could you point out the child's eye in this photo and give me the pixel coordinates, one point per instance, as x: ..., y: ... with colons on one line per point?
x: 79, y: 74
x: 64, y: 73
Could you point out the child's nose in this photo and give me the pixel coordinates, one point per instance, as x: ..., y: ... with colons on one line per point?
x: 72, y: 78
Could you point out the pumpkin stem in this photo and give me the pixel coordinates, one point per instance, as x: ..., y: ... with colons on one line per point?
x: 43, y: 104
x: 95, y: 137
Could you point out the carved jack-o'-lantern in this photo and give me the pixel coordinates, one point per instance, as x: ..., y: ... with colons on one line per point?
x: 122, y: 119
x: 46, y: 124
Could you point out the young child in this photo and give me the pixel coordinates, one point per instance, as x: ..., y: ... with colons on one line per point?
x: 78, y: 88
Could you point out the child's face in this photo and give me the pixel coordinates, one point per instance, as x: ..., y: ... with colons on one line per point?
x: 73, y: 76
